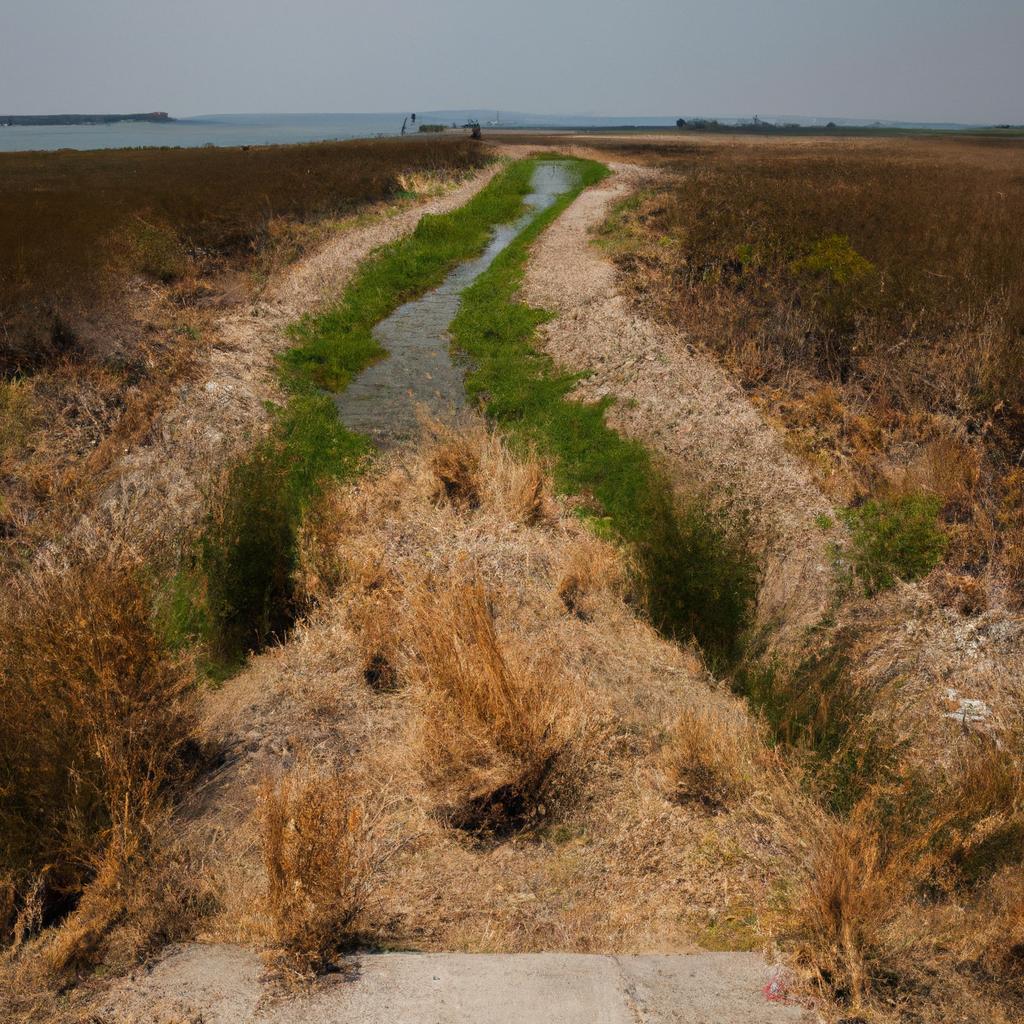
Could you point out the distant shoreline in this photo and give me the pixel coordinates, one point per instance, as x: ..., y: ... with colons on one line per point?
x: 12, y: 120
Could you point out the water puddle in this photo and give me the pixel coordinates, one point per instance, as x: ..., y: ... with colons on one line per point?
x: 418, y: 371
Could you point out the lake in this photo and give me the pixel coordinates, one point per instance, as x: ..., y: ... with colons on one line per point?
x: 219, y: 130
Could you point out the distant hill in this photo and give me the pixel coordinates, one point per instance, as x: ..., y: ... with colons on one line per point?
x: 8, y: 120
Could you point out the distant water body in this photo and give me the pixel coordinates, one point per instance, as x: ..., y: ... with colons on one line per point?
x: 221, y: 130
x: 269, y: 129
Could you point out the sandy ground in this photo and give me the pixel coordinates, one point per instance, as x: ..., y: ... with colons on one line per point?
x: 681, y: 404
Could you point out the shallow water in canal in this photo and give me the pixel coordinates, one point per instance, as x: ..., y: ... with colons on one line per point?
x: 418, y: 373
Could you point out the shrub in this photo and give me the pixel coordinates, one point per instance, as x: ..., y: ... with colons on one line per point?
x: 895, y: 539
x: 95, y: 721
x: 322, y: 851
x: 714, y: 756
x: 855, y: 888
x: 834, y: 260
x: 497, y: 734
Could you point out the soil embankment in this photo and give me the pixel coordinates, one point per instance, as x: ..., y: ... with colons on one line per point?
x: 212, y: 416
x: 681, y: 404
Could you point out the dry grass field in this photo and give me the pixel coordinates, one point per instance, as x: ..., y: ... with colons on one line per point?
x: 868, y: 295
x: 469, y: 733
x: 115, y: 265
x: 74, y: 225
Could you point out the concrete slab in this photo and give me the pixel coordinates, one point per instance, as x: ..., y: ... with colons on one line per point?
x: 222, y: 985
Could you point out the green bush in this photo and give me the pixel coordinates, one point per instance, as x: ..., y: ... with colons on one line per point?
x: 895, y: 539
x: 834, y: 259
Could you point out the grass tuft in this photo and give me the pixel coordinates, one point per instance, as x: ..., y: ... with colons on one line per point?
x: 322, y: 852
x: 895, y: 539
x: 499, y: 736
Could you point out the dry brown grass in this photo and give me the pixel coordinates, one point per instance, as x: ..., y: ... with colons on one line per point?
x: 96, y: 741
x: 715, y: 756
x: 594, y: 571
x: 322, y: 853
x: 869, y: 296
x: 912, y: 893
x: 534, y: 726
x: 853, y: 894
x: 471, y: 468
x: 498, y: 736
x: 96, y: 721
x: 114, y: 285
x: 72, y: 225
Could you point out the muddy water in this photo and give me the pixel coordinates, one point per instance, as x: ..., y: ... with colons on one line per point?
x: 418, y: 372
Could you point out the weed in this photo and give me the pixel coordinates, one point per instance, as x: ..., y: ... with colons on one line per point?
x: 330, y: 347
x: 73, y: 224
x: 895, y: 539
x: 886, y: 278
x: 714, y: 756
x: 95, y: 722
x: 322, y: 852
x: 248, y: 550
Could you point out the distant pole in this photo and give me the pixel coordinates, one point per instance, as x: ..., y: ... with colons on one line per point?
x: 404, y: 122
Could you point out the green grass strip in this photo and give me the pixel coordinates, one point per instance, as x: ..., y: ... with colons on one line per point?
x: 332, y: 346
x: 698, y: 578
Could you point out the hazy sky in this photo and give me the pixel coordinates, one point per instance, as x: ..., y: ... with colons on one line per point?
x: 936, y: 60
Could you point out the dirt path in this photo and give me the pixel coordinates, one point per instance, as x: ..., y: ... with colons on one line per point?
x: 160, y: 482
x: 681, y: 404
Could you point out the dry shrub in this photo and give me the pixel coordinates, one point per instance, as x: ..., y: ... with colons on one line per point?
x: 855, y: 888
x: 956, y: 590
x: 993, y: 935
x: 498, y: 736
x: 1010, y: 517
x: 323, y: 562
x: 375, y: 611
x: 456, y: 467
x: 917, y: 883
x: 715, y: 755
x: 951, y: 468
x: 95, y: 726
x: 322, y: 850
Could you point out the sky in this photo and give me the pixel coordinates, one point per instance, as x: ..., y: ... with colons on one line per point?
x: 915, y: 60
